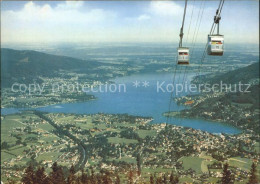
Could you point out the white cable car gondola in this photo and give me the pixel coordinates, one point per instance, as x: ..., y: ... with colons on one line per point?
x: 216, y: 41
x: 183, y: 52
x: 183, y: 56
x: 215, y: 45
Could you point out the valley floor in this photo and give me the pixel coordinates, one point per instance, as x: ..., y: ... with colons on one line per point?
x: 113, y: 142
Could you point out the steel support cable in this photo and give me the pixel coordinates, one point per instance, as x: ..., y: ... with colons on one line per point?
x: 180, y: 71
x: 221, y: 6
x: 181, y: 34
x: 193, y: 40
x: 187, y: 38
x: 183, y: 20
x: 203, y: 7
x: 199, y: 23
x: 218, y: 12
x: 180, y: 45
x: 171, y: 96
x: 211, y: 31
x: 204, y: 52
x: 195, y: 35
x: 180, y: 76
x: 212, y: 28
x: 192, y: 43
x: 184, y: 76
x: 178, y: 106
x: 193, y: 5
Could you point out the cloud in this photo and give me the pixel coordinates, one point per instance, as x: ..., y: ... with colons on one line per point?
x: 66, y: 20
x: 75, y: 21
x: 165, y: 8
x: 69, y: 12
x: 68, y: 5
x: 143, y: 17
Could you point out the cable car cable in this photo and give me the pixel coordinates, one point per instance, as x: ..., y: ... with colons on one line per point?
x: 218, y: 17
x: 192, y: 43
x: 183, y: 20
x: 187, y: 38
x: 180, y: 45
x: 221, y: 3
x: 181, y: 31
x: 171, y: 96
x: 195, y: 35
x: 216, y: 21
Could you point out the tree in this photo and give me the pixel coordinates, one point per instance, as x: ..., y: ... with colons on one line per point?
x: 99, y: 178
x: 131, y: 177
x: 174, y: 179
x: 227, y: 177
x: 171, y: 178
x: 18, y: 142
x: 57, y: 176
x: 253, y: 177
x: 71, y: 178
x: 40, y: 176
x: 151, y: 179
x: 155, y: 177
x: 10, y: 181
x: 4, y: 145
x: 159, y: 180
x: 106, y: 178
x: 139, y: 162
x: 28, y: 177
x: 84, y: 177
x: 164, y: 179
x: 117, y: 179
x: 92, y: 178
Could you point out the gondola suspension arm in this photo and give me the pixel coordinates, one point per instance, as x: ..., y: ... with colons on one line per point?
x: 183, y: 20
x: 217, y: 17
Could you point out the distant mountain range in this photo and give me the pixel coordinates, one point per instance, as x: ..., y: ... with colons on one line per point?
x: 26, y: 65
x: 243, y: 75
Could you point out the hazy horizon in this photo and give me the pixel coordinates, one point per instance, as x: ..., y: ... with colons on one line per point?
x: 125, y: 21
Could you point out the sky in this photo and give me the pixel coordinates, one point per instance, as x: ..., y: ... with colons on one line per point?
x: 126, y: 21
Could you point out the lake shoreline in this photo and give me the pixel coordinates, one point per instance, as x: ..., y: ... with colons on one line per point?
x: 178, y: 115
x: 145, y: 102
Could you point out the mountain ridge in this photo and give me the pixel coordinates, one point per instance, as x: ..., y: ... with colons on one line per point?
x: 28, y: 65
x: 242, y: 75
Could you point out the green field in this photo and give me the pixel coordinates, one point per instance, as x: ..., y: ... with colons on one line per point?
x: 243, y: 163
x: 125, y: 159
x: 257, y: 147
x: 13, y: 125
x: 193, y: 163
x: 42, y: 144
x: 8, y: 124
x: 144, y: 133
x: 117, y: 140
x: 48, y: 156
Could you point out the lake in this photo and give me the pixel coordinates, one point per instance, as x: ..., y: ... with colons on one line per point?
x: 139, y: 96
